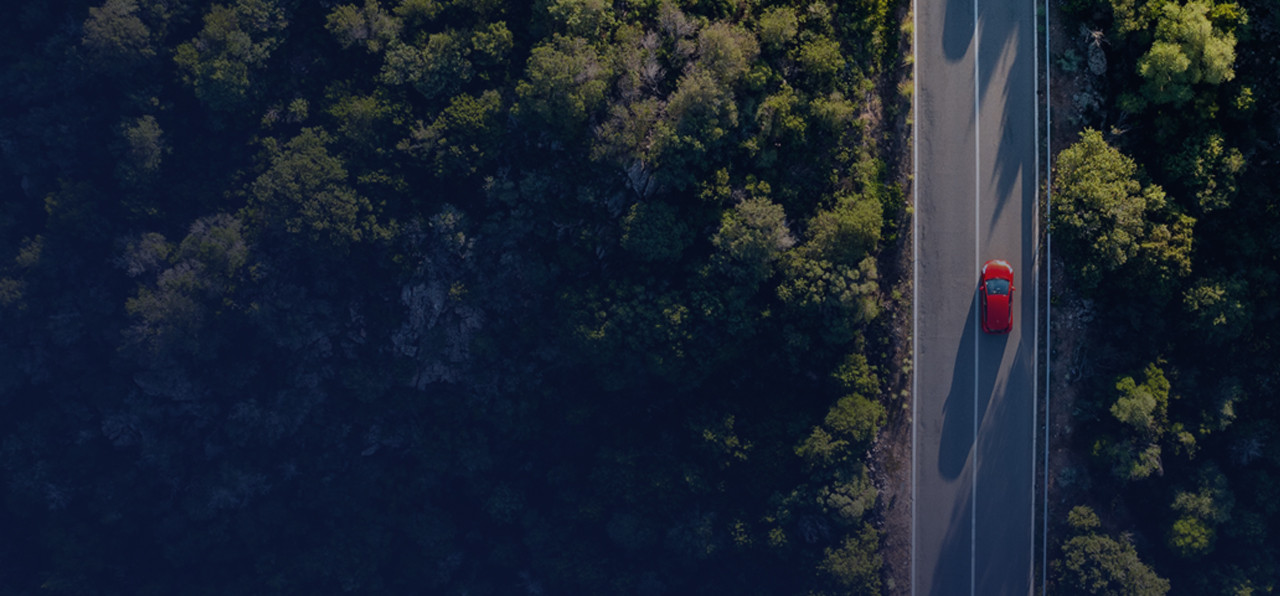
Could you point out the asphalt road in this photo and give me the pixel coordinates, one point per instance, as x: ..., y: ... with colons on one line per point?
x: 974, y: 394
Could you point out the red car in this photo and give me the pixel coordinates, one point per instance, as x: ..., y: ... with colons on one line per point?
x: 997, y: 296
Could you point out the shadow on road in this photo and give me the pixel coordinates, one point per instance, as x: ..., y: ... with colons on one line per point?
x: 1004, y: 481
x: 957, y: 30
x: 956, y: 442
x: 1000, y: 26
x: 1006, y: 49
x: 953, y: 572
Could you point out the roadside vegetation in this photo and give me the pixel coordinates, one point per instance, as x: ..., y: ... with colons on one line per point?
x: 1164, y: 215
x: 450, y: 296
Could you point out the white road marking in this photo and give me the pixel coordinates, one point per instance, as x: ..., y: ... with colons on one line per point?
x: 1035, y: 331
x: 977, y: 259
x: 1048, y: 292
x: 915, y: 273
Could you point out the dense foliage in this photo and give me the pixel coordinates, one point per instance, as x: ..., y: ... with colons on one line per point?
x: 445, y: 296
x: 1165, y: 215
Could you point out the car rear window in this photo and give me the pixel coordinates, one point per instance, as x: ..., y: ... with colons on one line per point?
x: 998, y: 286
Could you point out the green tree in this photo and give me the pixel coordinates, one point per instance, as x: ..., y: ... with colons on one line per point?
x: 1112, y: 226
x: 565, y: 81
x: 653, y: 231
x: 726, y: 52
x: 1220, y: 308
x: 234, y: 43
x: 777, y: 27
x: 1208, y: 169
x: 305, y: 191
x: 834, y: 298
x: 753, y: 236
x: 1199, y: 513
x: 854, y: 567
x: 782, y: 124
x: 369, y: 26
x: 464, y: 138
x: 142, y: 151
x: 849, y: 427
x: 171, y: 313
x: 1188, y: 50
x: 490, y: 49
x: 820, y: 59
x: 369, y: 122
x: 591, y: 19
x: 848, y: 232
x: 1094, y: 563
x: 1131, y: 15
x: 437, y: 69
x: 115, y: 35
x: 849, y: 496
x: 1143, y: 410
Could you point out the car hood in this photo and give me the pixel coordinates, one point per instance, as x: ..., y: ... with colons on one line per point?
x: 998, y: 312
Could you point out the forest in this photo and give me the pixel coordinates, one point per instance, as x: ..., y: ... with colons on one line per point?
x: 1165, y: 218
x: 483, y: 297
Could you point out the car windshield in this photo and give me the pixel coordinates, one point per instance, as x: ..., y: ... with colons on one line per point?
x: 998, y: 287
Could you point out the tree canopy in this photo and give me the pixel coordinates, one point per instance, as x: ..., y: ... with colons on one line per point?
x: 447, y: 296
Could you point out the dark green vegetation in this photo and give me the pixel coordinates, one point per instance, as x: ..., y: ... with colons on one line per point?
x: 445, y: 297
x: 1165, y: 213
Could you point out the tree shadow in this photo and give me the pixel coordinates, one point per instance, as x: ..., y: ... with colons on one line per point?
x: 1006, y: 45
x: 957, y: 29
x: 1001, y: 25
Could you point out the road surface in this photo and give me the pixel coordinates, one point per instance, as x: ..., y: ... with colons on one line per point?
x: 974, y: 394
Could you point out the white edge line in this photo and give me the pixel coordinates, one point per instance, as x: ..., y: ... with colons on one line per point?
x: 1035, y: 334
x: 977, y: 202
x: 1048, y: 291
x: 915, y: 271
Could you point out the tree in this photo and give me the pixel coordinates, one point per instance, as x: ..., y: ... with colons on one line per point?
x: 464, y: 137
x: 1094, y: 563
x: 142, y: 151
x: 116, y: 37
x: 782, y: 125
x: 835, y: 298
x: 437, y: 69
x: 1199, y: 513
x: 701, y: 115
x: 849, y: 427
x: 653, y: 231
x: 490, y: 47
x: 820, y: 59
x: 235, y: 42
x: 777, y: 26
x: 368, y: 122
x: 1220, y: 308
x: 565, y: 81
x: 848, y: 232
x: 1143, y: 410
x: 725, y: 52
x: 1112, y: 226
x: 753, y: 236
x: 203, y: 270
x: 1188, y: 50
x: 304, y: 192
x: 1208, y: 170
x: 854, y: 567
x: 591, y: 19
x: 369, y: 26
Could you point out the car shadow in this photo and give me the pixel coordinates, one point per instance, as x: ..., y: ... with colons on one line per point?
x: 958, y: 410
